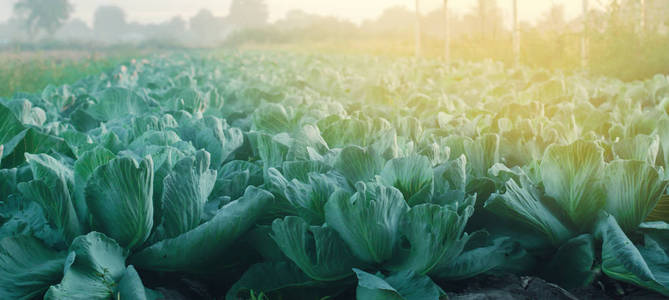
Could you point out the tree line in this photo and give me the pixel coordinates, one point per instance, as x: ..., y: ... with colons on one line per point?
x: 627, y: 39
x: 39, y: 20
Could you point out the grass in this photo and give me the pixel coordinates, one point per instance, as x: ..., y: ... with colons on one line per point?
x: 31, y: 71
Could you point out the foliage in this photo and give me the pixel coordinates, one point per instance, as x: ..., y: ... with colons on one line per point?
x: 269, y: 175
x: 47, y: 15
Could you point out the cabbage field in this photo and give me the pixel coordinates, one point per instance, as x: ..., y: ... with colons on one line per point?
x: 266, y: 175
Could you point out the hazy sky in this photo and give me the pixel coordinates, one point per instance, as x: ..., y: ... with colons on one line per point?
x: 144, y: 11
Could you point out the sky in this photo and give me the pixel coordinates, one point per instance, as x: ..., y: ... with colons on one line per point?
x: 153, y: 11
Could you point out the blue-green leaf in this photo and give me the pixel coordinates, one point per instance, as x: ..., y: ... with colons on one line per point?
x: 119, y: 196
x: 94, y: 266
x: 28, y: 267
x: 405, y: 285
x: 411, y: 175
x: 202, y: 246
x: 368, y: 221
x: 317, y: 250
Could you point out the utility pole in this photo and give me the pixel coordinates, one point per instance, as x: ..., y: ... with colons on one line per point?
x: 516, y: 35
x: 447, y: 34
x: 418, y: 31
x: 643, y: 16
x: 482, y: 12
x: 584, y: 37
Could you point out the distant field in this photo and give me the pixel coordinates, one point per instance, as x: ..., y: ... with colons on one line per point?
x: 31, y: 71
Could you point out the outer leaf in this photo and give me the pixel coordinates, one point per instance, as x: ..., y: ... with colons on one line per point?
x: 621, y: 260
x: 57, y: 205
x: 661, y: 210
x: 7, y: 183
x: 20, y: 217
x: 273, y: 118
x: 215, y: 136
x: 663, y: 132
x: 309, y: 198
x: 51, y: 189
x: 480, y: 258
x: 572, y: 265
x: 31, y: 141
x: 10, y: 126
x: 358, y: 164
x: 411, y: 175
x: 117, y: 103
x: 571, y: 175
x: 317, y: 250
x: 234, y: 177
x: 131, y: 288
x: 220, y: 140
x: 434, y: 234
x: 633, y: 188
x: 268, y: 277
x: 83, y: 169
x: 307, y: 138
x: 93, y: 267
x: 201, y: 246
x: 524, y: 204
x: 368, y: 221
x: 270, y: 149
x: 403, y: 285
x: 300, y: 169
x: 27, y: 267
x: 345, y: 132
x: 49, y: 169
x: 185, y: 194
x: 120, y: 198
x: 482, y: 153
x: 640, y: 147
x: 451, y: 176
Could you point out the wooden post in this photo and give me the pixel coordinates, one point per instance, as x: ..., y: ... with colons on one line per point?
x: 584, y: 37
x: 418, y: 31
x: 516, y: 35
x: 447, y: 34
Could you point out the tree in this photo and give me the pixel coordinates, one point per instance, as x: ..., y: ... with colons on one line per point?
x: 554, y: 19
x: 48, y: 15
x: 248, y: 13
x: 489, y: 18
x: 205, y: 27
x: 393, y: 20
x: 109, y: 22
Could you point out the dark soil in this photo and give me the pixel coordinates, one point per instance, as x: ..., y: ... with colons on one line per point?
x: 485, y: 287
x: 513, y: 287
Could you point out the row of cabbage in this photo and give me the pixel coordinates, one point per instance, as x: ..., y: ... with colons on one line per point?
x: 312, y: 176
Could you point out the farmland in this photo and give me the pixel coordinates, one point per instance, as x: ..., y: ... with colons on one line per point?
x: 31, y: 71
x: 271, y: 175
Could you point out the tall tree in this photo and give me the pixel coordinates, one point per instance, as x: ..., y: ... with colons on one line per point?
x: 554, y: 19
x: 248, y: 13
x: 205, y: 27
x: 109, y: 22
x: 489, y: 17
x: 47, y: 15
